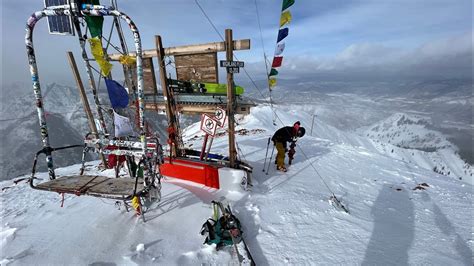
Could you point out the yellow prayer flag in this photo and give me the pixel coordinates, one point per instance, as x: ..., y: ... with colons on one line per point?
x: 285, y: 18
x: 96, y: 48
x: 272, y: 82
x: 98, y: 53
x: 105, y: 67
x: 127, y: 60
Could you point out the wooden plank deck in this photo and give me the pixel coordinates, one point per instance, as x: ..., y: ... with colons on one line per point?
x: 92, y: 185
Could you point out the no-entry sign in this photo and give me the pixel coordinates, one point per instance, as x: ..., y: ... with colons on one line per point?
x: 208, y: 125
x: 220, y: 115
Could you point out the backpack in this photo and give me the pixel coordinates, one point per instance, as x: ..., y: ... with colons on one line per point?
x: 224, y: 232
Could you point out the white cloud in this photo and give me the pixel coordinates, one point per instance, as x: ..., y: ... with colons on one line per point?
x: 447, y: 57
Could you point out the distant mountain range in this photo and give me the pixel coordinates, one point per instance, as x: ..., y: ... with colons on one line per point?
x: 409, y: 138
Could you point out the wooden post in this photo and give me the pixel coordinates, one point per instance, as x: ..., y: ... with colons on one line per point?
x: 85, y: 102
x: 230, y: 98
x: 166, y: 94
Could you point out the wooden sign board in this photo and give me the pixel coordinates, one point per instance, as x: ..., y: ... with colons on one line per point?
x: 149, y: 78
x: 197, y: 67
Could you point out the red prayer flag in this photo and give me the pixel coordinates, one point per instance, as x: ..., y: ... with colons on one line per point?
x: 277, y: 60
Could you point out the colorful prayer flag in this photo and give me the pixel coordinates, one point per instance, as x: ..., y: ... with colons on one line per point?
x: 98, y: 53
x: 282, y: 33
x: 94, y: 23
x: 279, y: 48
x: 127, y: 60
x: 117, y: 94
x: 277, y: 60
x: 285, y: 18
x: 273, y: 72
x: 286, y: 4
x: 272, y: 82
x: 122, y: 126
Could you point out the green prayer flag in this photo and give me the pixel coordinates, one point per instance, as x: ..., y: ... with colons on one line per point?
x: 287, y: 4
x: 273, y: 72
x: 94, y: 23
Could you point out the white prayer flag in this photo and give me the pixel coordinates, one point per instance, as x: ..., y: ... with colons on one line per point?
x: 122, y: 126
x: 279, y: 48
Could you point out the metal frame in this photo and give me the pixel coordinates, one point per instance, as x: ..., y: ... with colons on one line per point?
x: 74, y: 11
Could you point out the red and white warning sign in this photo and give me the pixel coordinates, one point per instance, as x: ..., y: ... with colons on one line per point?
x: 220, y: 115
x: 208, y: 125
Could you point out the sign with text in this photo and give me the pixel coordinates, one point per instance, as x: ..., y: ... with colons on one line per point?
x: 233, y: 70
x: 231, y: 63
x: 208, y: 125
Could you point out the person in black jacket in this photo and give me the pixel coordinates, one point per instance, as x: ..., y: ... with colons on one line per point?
x: 280, y: 139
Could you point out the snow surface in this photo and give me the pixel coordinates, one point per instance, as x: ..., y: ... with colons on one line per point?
x: 287, y: 218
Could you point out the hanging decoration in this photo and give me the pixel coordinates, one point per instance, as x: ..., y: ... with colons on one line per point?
x: 118, y: 95
x: 123, y: 128
x: 94, y: 23
x: 98, y: 53
x: 127, y: 60
x: 285, y: 19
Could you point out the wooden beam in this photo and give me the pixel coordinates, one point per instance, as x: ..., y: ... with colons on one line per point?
x: 190, y: 49
x: 167, y: 95
x: 82, y: 93
x: 230, y: 99
x: 85, y: 101
x: 198, y: 109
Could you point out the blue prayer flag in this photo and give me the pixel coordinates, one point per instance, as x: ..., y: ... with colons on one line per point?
x: 282, y: 33
x: 117, y: 94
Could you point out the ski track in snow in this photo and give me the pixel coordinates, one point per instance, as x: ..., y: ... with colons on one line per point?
x: 287, y: 218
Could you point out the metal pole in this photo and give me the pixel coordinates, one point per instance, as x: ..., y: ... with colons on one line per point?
x: 230, y: 98
x: 266, y: 154
x: 30, y: 51
x: 270, y: 162
x: 312, y: 123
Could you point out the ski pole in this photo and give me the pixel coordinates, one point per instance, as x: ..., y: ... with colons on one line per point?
x: 270, y: 161
x: 266, y: 154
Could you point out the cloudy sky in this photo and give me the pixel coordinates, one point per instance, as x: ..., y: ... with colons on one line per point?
x: 328, y: 39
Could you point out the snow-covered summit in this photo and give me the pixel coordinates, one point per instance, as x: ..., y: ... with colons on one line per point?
x: 408, y: 131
